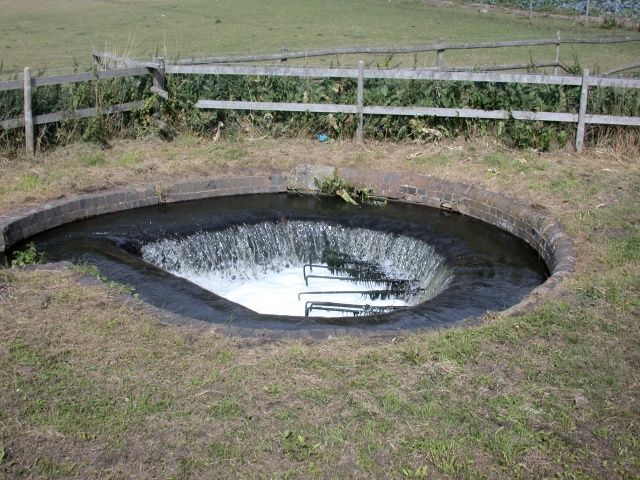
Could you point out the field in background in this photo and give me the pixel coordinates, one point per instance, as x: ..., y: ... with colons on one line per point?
x: 53, y: 34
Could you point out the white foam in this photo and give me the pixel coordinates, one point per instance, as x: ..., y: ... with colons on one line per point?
x: 276, y: 292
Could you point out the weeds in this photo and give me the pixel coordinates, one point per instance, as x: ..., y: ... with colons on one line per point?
x: 28, y: 256
x: 93, y: 159
x: 180, y: 116
x: 335, y: 185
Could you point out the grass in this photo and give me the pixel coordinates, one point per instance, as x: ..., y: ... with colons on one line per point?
x: 95, y: 387
x: 53, y: 35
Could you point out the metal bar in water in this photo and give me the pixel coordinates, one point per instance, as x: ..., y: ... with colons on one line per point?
x: 356, y: 309
x: 364, y: 292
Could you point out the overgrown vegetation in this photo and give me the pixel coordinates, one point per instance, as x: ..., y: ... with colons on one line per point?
x: 28, y: 256
x: 180, y: 115
x: 69, y: 97
x: 335, y: 185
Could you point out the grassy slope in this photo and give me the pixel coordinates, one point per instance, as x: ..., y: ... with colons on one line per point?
x: 52, y: 33
x: 95, y: 388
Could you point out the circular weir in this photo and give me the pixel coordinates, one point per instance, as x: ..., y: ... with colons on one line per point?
x: 300, y: 263
x: 306, y: 268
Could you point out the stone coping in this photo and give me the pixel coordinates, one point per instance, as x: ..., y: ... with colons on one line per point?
x: 534, y: 225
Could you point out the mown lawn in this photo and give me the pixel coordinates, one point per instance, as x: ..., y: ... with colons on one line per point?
x: 94, y: 387
x: 55, y: 34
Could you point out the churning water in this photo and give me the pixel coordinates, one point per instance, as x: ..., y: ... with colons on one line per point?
x: 245, y: 260
x: 286, y: 267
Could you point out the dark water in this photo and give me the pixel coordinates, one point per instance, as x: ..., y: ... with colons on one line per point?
x: 490, y: 269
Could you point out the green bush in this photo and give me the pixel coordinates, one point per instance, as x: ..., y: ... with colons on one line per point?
x: 28, y: 256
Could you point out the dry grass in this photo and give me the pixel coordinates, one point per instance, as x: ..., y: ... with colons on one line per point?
x: 93, y: 387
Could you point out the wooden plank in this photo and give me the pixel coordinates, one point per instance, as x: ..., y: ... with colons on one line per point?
x: 86, y: 112
x: 265, y: 70
x: 612, y: 120
x: 423, y: 74
x: 530, y: 9
x: 158, y: 78
x: 386, y: 110
x: 276, y: 106
x: 11, y: 85
x: 11, y: 123
x: 360, y: 102
x: 622, y: 68
x: 556, y: 59
x: 506, y: 66
x: 471, y: 113
x: 440, y: 54
x: 29, y: 134
x: 121, y: 62
x: 584, y: 92
x: 614, y: 82
x: 399, y: 74
x: 405, y: 74
x: 284, y: 55
x: 161, y: 93
x: 89, y: 76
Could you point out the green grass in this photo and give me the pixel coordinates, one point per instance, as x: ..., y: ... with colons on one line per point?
x: 30, y: 181
x: 93, y: 159
x: 94, y: 387
x: 130, y: 159
x: 52, y: 34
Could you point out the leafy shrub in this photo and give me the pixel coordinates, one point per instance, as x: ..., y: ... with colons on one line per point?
x: 337, y: 186
x: 28, y: 256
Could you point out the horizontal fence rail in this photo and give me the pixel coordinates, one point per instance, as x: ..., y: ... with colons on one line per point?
x: 362, y: 74
x: 401, y: 74
x: 631, y: 66
x: 388, y: 50
x: 75, y: 78
x: 440, y: 48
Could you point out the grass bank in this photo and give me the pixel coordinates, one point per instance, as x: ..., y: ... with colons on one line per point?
x: 96, y: 388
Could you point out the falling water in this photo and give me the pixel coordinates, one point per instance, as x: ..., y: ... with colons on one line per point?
x: 261, y: 266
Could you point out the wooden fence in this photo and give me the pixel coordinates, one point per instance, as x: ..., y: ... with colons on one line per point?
x: 158, y: 69
x: 361, y: 74
x: 439, y: 48
x: 27, y: 84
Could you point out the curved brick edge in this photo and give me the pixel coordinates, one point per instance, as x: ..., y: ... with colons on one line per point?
x: 533, y: 225
x: 21, y: 225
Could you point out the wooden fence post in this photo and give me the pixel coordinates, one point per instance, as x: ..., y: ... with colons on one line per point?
x: 557, y: 57
x: 97, y: 61
x: 586, y: 13
x: 360, y: 102
x: 530, y: 9
x: 584, y: 93
x: 28, y: 113
x: 158, y: 73
x: 440, y: 53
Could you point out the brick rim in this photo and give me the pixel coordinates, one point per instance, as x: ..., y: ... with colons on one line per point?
x: 533, y: 225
